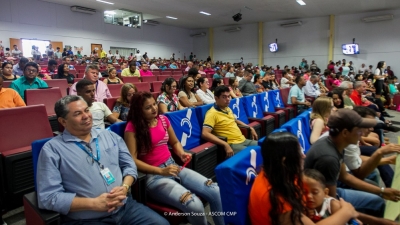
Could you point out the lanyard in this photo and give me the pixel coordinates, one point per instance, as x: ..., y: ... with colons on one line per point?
x: 94, y: 158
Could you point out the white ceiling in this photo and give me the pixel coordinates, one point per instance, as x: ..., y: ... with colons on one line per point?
x: 187, y: 11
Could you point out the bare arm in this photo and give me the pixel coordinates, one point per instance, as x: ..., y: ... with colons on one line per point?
x: 295, y: 102
x: 113, y: 119
x: 316, y: 130
x: 208, y: 136
x: 199, y: 101
x: 185, y: 102
x: 162, y: 108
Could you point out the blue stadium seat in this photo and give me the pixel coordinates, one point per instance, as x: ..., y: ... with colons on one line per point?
x: 235, y: 178
x: 296, y: 126
x: 277, y: 100
x: 266, y: 106
x: 261, y: 140
x: 236, y: 105
x: 305, y: 117
x: 255, y: 114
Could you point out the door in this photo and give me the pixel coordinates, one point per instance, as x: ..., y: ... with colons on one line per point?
x: 56, y: 44
x: 97, y: 48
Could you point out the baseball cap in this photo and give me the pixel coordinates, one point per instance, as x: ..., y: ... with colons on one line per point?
x: 347, y: 118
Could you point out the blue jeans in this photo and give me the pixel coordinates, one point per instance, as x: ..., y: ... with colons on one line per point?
x: 131, y: 213
x: 386, y: 172
x: 363, y: 202
x: 169, y: 190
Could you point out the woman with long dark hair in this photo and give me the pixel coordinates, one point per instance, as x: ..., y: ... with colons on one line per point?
x: 63, y: 73
x: 276, y: 196
x: 337, y: 97
x: 216, y: 82
x: 167, y: 101
x: 186, y: 95
x: 233, y: 88
x: 147, y: 136
x: 379, y: 77
x: 258, y: 83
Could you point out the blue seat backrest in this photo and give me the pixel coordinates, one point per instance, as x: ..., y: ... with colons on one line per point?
x: 296, y: 127
x: 118, y: 128
x: 265, y: 101
x: 235, y: 177
x: 261, y: 140
x: 36, y: 148
x: 252, y: 108
x: 276, y: 98
x: 237, y: 107
x: 201, y: 113
x: 186, y: 127
x: 305, y: 117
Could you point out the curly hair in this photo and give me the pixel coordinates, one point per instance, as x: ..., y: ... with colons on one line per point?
x: 135, y: 116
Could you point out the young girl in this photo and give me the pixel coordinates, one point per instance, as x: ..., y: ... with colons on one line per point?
x: 321, y: 110
x: 392, y: 91
x: 319, y: 204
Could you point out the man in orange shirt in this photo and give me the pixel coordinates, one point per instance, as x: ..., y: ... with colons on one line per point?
x: 9, y: 98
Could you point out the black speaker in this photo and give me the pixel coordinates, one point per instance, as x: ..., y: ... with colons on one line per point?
x: 237, y: 17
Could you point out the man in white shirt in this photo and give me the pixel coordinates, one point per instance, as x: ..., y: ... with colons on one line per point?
x: 189, y: 66
x: 109, y: 55
x: 285, y: 81
x: 117, y: 56
x: 153, y: 65
x: 50, y: 51
x: 86, y: 89
x: 58, y: 54
x: 362, y: 69
x: 312, y: 89
x: 16, y: 53
x: 138, y: 56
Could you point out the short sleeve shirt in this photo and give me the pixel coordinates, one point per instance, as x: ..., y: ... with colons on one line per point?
x: 99, y: 111
x: 295, y: 91
x: 191, y: 97
x: 172, y: 104
x: 324, y: 157
x: 122, y: 110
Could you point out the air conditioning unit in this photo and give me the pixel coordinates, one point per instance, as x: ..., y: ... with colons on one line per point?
x: 81, y: 9
x: 233, y: 29
x: 151, y: 22
x: 292, y: 24
x: 377, y: 18
x: 198, y: 34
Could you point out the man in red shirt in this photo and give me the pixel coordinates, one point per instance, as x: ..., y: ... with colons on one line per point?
x: 51, y: 68
x: 356, y: 96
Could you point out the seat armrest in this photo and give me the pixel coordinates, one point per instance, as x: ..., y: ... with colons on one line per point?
x: 35, y: 215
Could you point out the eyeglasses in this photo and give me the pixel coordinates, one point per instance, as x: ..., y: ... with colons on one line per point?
x: 31, y: 71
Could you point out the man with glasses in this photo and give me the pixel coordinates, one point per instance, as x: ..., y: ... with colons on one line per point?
x: 220, y: 121
x: 29, y: 80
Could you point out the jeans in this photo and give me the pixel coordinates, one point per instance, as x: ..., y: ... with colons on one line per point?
x: 169, y: 190
x: 385, y: 171
x: 238, y: 147
x: 363, y: 202
x: 131, y: 213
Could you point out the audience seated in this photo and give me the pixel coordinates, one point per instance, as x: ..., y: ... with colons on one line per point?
x: 216, y: 83
x: 286, y: 81
x: 92, y: 74
x: 246, y: 86
x: 121, y: 108
x: 312, y: 88
x: 258, y: 83
x: 218, y: 73
x: 131, y: 71
x: 321, y: 110
x: 203, y: 92
x: 189, y: 66
x: 296, y: 95
x: 233, y: 88
x: 275, y: 202
x: 167, y: 101
x: 345, y: 127
x: 71, y: 167
x: 186, y: 95
x: 112, y: 77
x: 29, y: 80
x: 63, y: 73
x: 145, y: 72
x: 220, y: 121
x: 7, y: 72
x: 99, y: 110
x: 208, y: 69
x: 51, y: 68
x: 9, y: 98
x: 147, y: 135
x: 274, y: 83
x: 18, y: 69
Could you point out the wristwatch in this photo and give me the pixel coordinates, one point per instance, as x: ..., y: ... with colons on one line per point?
x: 382, y: 191
x: 128, y: 188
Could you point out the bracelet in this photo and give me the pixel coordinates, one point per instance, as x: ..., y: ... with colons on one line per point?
x: 382, y: 191
x: 126, y: 186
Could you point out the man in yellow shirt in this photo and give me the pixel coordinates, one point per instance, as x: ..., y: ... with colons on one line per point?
x: 9, y: 98
x: 220, y: 121
x: 103, y: 53
x: 131, y: 71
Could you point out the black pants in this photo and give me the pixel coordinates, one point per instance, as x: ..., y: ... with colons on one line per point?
x: 386, y: 171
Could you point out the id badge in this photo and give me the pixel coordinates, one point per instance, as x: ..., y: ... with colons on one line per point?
x: 107, y: 175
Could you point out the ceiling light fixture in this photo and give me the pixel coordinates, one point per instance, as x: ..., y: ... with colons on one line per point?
x: 205, y: 13
x: 110, y: 12
x: 300, y: 2
x: 170, y: 17
x: 110, y: 3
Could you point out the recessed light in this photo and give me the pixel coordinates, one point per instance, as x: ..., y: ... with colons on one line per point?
x: 110, y: 12
x: 301, y: 2
x: 110, y: 3
x: 170, y: 17
x: 205, y: 13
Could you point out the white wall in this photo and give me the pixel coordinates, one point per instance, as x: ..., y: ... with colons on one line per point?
x: 378, y: 41
x: 49, y: 21
x: 200, y: 44
x: 309, y: 41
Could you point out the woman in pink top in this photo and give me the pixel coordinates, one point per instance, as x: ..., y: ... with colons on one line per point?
x: 147, y: 136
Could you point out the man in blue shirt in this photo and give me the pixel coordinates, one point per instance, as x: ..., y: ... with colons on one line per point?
x: 296, y: 95
x: 29, y: 80
x: 86, y: 173
x: 18, y: 69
